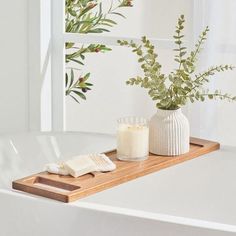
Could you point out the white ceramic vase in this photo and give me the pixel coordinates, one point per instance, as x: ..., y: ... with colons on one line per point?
x: 169, y: 133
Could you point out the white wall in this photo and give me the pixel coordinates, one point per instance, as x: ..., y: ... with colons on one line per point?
x: 110, y: 97
x: 13, y: 66
x: 215, y: 120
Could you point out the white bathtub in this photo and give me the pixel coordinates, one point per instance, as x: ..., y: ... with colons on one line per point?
x: 194, y: 198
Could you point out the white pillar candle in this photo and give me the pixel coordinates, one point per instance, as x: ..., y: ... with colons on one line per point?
x: 132, y: 139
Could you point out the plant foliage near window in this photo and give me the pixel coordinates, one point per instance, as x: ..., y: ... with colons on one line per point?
x: 182, y: 85
x: 86, y: 17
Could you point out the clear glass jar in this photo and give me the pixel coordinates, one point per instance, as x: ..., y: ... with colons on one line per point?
x: 132, y: 139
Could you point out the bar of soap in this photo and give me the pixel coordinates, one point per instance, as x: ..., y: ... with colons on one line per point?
x: 79, y: 166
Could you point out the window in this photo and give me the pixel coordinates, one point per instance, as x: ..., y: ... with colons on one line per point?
x: 50, y: 109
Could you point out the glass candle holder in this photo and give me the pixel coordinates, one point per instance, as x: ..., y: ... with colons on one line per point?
x: 132, y: 139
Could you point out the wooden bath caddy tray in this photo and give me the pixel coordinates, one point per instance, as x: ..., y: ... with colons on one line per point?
x: 67, y: 188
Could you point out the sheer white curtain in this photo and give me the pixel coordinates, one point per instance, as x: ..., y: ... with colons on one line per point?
x: 216, y: 119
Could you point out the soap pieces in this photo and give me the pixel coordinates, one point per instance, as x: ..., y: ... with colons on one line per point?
x: 83, y: 164
x: 79, y: 166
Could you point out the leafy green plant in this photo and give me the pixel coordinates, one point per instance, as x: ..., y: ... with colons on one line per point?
x: 86, y: 17
x: 174, y: 90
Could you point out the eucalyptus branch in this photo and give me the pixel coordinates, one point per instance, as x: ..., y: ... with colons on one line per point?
x: 192, y: 58
x: 147, y: 57
x: 203, y: 77
x: 220, y: 96
x: 178, y: 40
x: 149, y: 65
x: 211, y: 71
x: 202, y: 39
x: 177, y: 88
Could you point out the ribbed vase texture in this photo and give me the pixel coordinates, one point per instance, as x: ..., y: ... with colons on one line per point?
x: 169, y: 133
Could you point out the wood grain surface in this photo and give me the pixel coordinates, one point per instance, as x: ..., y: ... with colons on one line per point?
x: 68, y: 189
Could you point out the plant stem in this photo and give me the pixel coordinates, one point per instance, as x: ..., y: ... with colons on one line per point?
x: 224, y: 96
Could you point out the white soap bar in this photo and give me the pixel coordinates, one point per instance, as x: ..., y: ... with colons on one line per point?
x: 79, y: 166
